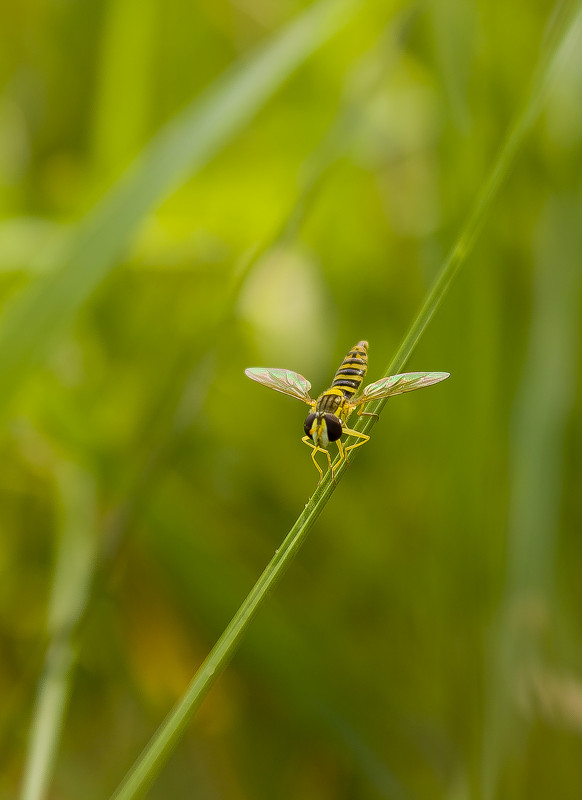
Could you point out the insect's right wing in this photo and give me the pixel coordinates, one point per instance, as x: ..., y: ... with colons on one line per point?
x: 282, y: 380
x: 399, y: 384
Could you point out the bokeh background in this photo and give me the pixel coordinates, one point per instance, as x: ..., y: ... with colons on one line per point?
x: 427, y: 641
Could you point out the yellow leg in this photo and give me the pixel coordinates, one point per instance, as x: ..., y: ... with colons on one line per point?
x: 363, y: 436
x: 342, y: 456
x: 343, y: 451
x: 362, y: 413
x: 315, y: 450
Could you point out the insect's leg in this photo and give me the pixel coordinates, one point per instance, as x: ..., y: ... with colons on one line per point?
x: 363, y: 436
x: 314, y: 459
x: 362, y: 413
x: 342, y: 457
x: 329, y: 462
x: 314, y: 450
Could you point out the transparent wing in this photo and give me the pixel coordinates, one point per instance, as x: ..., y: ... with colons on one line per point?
x: 399, y: 384
x: 282, y: 380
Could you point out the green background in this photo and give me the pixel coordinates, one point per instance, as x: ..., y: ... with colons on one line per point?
x: 427, y: 641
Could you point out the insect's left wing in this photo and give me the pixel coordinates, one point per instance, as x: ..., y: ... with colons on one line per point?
x: 399, y: 384
x: 282, y: 380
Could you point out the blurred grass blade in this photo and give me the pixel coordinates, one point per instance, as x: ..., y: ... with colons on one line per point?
x: 565, y: 35
x: 540, y: 421
x: 127, y: 65
x: 74, y: 567
x: 183, y: 146
x: 174, y: 402
x: 162, y: 743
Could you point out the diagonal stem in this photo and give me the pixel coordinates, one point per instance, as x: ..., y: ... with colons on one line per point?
x: 565, y: 32
x: 148, y: 765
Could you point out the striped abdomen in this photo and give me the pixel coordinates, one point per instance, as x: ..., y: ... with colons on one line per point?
x: 352, y: 370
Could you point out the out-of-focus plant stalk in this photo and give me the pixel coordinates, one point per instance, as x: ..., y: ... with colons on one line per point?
x: 182, y: 147
x: 74, y: 569
x: 540, y: 419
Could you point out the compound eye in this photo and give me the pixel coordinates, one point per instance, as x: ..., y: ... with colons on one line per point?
x: 334, y: 427
x: 308, y: 423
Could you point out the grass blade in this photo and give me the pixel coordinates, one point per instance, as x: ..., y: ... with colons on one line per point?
x: 565, y: 33
x: 540, y: 420
x: 181, y: 148
x: 174, y: 402
x: 74, y: 567
x: 157, y: 751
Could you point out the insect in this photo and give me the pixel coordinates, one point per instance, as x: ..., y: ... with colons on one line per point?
x: 327, y: 420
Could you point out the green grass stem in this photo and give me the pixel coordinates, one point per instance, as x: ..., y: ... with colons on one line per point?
x: 161, y: 745
x: 74, y: 567
x: 174, y: 402
x: 541, y: 415
x: 565, y: 32
x: 31, y: 326
x: 186, y: 144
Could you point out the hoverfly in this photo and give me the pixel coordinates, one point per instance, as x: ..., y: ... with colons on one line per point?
x: 327, y: 420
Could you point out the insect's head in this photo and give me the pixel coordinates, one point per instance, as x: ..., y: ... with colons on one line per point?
x: 322, y: 428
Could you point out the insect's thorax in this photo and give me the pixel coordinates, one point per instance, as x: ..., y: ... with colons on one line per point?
x: 333, y: 401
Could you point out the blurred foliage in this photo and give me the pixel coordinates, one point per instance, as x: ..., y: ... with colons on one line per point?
x: 427, y: 641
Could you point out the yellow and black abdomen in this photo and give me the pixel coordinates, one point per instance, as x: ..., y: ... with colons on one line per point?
x: 346, y: 383
x: 352, y: 370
